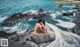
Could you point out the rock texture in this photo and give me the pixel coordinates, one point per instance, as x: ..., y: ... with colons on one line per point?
x: 25, y: 16
x: 66, y: 13
x: 77, y: 21
x: 42, y: 38
x: 30, y: 39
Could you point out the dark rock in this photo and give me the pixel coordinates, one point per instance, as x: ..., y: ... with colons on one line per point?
x: 30, y: 40
x: 17, y: 17
x: 77, y: 21
x: 12, y: 18
x: 30, y: 44
x: 44, y: 44
x: 67, y: 13
x: 76, y: 7
x: 24, y: 43
x: 42, y: 38
x: 4, y: 34
x: 60, y: 5
x: 41, y: 10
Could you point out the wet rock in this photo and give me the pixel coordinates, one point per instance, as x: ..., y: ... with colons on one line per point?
x: 42, y: 38
x: 77, y: 20
x: 51, y: 37
x: 67, y: 13
x: 41, y: 10
x: 4, y: 33
x: 30, y: 44
x: 17, y: 17
x: 12, y: 18
x: 29, y: 39
x: 44, y: 44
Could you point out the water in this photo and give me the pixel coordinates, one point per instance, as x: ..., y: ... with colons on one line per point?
x: 9, y: 7
x: 60, y: 24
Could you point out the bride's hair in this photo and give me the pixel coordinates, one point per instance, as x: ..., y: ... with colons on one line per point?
x: 40, y: 20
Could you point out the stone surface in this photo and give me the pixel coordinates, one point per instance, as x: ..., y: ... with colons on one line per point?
x: 17, y: 17
x: 30, y: 39
x: 42, y: 38
x: 77, y: 21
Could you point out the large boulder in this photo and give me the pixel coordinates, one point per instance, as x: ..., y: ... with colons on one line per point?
x: 42, y: 37
x: 31, y: 39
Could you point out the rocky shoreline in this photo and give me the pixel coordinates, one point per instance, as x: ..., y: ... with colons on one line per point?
x: 29, y: 39
x: 17, y: 17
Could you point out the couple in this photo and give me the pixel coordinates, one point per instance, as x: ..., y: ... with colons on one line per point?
x: 40, y: 27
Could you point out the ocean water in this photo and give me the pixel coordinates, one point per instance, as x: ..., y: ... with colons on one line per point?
x: 60, y: 24
x: 9, y: 7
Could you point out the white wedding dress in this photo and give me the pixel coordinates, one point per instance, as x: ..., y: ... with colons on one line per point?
x: 64, y: 38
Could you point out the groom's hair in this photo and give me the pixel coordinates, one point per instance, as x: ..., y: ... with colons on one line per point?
x: 40, y: 20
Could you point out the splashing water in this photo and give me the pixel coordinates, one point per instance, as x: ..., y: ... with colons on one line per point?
x: 64, y: 24
x: 63, y: 38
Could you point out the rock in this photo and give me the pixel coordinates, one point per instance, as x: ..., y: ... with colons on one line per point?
x: 4, y: 33
x: 42, y: 38
x: 17, y: 17
x: 67, y: 13
x: 60, y: 5
x: 30, y: 39
x: 41, y: 10
x: 77, y: 21
x: 12, y: 18
x: 30, y: 44
x: 44, y: 44
x: 76, y: 7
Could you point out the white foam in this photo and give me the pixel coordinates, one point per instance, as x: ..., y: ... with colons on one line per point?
x: 3, y: 18
x: 11, y: 29
x: 68, y: 6
x: 63, y: 11
x: 65, y: 24
x: 53, y: 16
x: 70, y: 11
x: 58, y: 13
x: 21, y: 31
x: 30, y: 19
x: 25, y: 12
x: 32, y: 11
x: 74, y: 14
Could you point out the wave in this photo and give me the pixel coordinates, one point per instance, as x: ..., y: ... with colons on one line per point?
x: 32, y: 11
x: 63, y: 38
x: 65, y: 24
x: 69, y: 6
x: 30, y: 19
x: 14, y: 29
x: 53, y: 16
x: 3, y: 18
x: 11, y: 29
x: 58, y: 13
